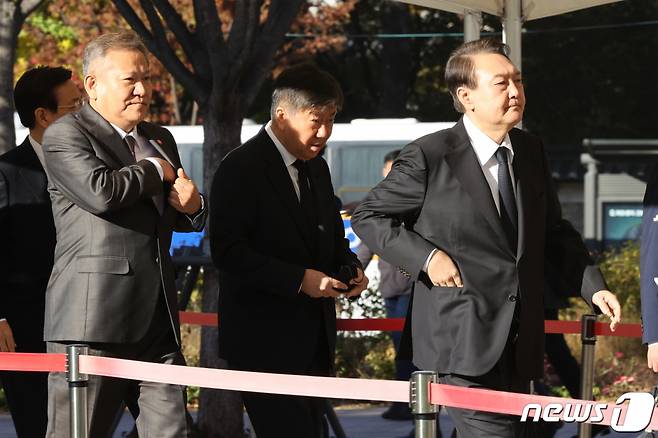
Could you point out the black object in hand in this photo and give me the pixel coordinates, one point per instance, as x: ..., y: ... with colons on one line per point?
x: 346, y: 274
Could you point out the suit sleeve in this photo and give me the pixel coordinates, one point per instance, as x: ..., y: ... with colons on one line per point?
x: 649, y: 261
x: 565, y: 250
x: 232, y: 214
x: 383, y: 219
x: 82, y: 177
x: 4, y: 206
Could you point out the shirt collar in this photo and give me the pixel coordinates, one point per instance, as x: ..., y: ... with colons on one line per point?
x: 288, y: 158
x: 38, y: 149
x: 485, y: 147
x: 123, y: 134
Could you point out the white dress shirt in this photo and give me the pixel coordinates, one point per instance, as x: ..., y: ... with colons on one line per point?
x: 288, y: 158
x: 485, y: 149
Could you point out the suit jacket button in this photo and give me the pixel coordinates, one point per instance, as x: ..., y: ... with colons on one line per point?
x: 157, y: 260
x: 512, y: 298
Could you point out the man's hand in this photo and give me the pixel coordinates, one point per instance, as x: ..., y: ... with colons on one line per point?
x: 168, y: 172
x: 184, y: 196
x: 607, y: 302
x: 6, y: 337
x: 443, y: 271
x: 317, y: 284
x: 652, y: 357
x: 360, y: 284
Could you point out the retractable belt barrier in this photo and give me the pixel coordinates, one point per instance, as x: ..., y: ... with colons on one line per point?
x: 326, y: 387
x: 423, y: 393
x: 397, y: 324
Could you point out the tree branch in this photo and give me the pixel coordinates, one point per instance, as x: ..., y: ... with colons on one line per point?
x: 209, y: 30
x: 158, y: 45
x: 28, y: 6
x: 270, y: 38
x: 188, y: 41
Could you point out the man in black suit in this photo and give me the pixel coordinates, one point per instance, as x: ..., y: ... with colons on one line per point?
x: 118, y: 191
x: 27, y: 233
x: 470, y: 213
x: 279, y: 244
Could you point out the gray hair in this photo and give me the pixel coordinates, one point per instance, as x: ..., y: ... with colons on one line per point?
x: 99, y: 47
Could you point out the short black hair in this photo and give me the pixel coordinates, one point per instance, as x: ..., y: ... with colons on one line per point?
x: 391, y: 156
x: 305, y: 86
x: 36, y: 89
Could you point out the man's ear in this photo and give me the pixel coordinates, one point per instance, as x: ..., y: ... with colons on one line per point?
x: 464, y: 96
x: 90, y: 86
x: 41, y: 118
x: 280, y: 113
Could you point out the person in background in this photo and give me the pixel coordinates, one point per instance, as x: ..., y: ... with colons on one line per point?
x: 41, y: 96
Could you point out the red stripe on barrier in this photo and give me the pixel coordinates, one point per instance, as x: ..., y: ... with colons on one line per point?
x: 513, y: 403
x: 397, y: 324
x: 198, y: 318
x: 32, y: 362
x: 376, y: 324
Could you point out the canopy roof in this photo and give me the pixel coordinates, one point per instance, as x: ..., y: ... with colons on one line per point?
x: 531, y: 9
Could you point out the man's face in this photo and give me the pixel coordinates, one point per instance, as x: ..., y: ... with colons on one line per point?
x: 498, y: 99
x: 306, y: 131
x: 119, y: 87
x: 68, y: 99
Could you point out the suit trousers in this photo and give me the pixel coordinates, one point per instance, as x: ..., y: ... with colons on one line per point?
x: 275, y: 416
x: 502, y: 377
x: 27, y: 393
x: 161, y: 406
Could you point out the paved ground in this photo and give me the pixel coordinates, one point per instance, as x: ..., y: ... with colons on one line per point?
x: 357, y: 423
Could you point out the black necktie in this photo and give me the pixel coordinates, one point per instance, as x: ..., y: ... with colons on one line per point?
x: 306, y: 199
x: 131, y: 142
x: 508, y: 212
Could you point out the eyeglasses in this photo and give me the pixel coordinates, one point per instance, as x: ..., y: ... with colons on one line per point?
x: 77, y: 104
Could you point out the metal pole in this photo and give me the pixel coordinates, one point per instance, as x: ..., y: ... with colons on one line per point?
x: 588, y: 341
x: 512, y: 22
x: 78, y: 383
x: 419, y: 400
x: 472, y: 25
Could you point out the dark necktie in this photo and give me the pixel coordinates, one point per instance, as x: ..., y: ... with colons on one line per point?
x: 306, y: 199
x: 508, y: 212
x: 131, y: 142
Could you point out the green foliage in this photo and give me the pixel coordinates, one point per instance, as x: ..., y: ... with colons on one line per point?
x: 369, y: 357
x: 621, y: 269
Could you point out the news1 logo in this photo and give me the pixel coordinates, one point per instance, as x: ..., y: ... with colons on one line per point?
x: 639, y: 411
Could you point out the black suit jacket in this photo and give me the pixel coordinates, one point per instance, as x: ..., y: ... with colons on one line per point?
x: 436, y: 196
x: 262, y: 246
x: 27, y: 234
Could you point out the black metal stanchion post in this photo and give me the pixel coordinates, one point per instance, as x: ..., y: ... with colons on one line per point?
x: 77, y: 391
x: 419, y: 400
x: 588, y: 341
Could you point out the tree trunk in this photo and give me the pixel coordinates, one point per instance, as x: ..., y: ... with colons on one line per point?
x: 10, y: 24
x: 220, y: 412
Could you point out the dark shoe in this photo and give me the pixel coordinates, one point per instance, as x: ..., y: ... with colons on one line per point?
x: 398, y: 412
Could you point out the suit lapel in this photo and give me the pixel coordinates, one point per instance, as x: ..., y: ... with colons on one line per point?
x: 466, y: 167
x: 280, y: 180
x: 521, y: 177
x: 158, y: 143
x: 105, y: 134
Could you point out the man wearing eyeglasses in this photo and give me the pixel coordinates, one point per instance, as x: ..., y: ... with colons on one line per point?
x: 27, y: 233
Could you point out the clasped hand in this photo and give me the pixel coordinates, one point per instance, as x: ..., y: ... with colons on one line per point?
x: 317, y: 284
x: 184, y: 195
